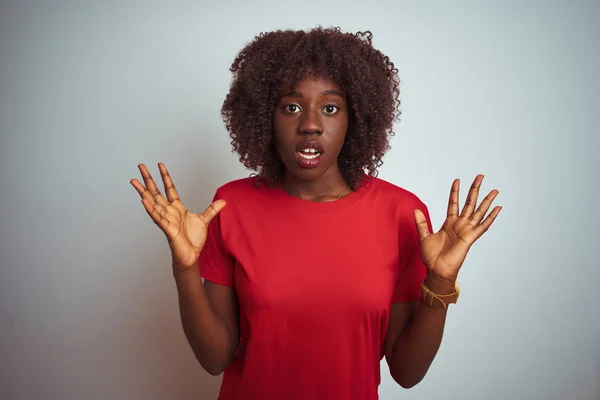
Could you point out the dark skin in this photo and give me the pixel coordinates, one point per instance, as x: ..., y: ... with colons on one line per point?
x: 413, y: 338
x: 315, y: 109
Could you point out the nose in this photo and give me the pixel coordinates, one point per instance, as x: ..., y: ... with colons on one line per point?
x: 310, y: 123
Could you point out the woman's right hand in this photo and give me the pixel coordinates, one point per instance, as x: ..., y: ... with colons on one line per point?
x: 186, y: 232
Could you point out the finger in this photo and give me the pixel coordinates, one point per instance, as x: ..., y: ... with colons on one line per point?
x: 484, y: 207
x: 487, y: 222
x: 471, y: 201
x: 143, y: 191
x: 151, y: 185
x: 212, y: 211
x: 170, y: 190
x: 158, y: 213
x: 421, y: 224
x: 453, y: 201
x: 171, y: 210
x: 138, y: 186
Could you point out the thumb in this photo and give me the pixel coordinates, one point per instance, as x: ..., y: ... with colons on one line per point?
x: 421, y: 223
x: 212, y: 210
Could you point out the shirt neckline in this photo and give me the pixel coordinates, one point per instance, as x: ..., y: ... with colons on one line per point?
x: 288, y: 200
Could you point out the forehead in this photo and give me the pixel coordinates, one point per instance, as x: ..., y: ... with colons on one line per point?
x: 318, y: 82
x: 312, y: 84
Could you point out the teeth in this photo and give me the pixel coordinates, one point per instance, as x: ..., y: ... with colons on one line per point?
x: 309, y: 154
x: 309, y: 157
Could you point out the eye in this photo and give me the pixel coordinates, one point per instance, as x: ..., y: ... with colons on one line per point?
x: 292, y: 108
x: 331, y: 109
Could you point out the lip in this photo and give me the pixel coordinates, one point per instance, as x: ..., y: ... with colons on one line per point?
x: 310, y: 144
x: 304, y: 162
x: 307, y: 163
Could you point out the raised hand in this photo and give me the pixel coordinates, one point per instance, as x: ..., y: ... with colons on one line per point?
x: 186, y: 232
x: 445, y: 251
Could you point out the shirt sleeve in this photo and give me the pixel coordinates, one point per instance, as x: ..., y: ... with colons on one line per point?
x: 412, y: 270
x: 215, y: 263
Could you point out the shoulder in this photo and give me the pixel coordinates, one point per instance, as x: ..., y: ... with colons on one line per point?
x: 389, y: 199
x: 238, y: 187
x: 397, y: 196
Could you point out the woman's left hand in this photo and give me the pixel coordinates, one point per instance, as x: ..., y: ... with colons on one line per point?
x: 445, y: 251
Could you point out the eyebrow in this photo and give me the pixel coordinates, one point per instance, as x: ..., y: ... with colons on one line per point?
x: 325, y: 92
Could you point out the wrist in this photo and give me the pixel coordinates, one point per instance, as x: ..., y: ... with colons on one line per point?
x: 440, y: 285
x: 184, y: 271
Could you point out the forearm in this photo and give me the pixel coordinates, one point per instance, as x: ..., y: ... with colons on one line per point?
x: 207, y: 334
x: 419, y: 342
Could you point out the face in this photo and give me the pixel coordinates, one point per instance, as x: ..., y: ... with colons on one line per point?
x: 310, y: 124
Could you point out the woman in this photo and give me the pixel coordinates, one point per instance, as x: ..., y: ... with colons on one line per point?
x: 315, y: 270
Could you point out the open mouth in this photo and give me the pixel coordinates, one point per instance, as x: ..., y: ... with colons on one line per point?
x: 309, y: 154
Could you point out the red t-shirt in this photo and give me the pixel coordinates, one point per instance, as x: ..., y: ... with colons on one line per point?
x: 315, y: 283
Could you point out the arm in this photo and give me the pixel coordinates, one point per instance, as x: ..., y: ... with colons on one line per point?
x: 414, y: 336
x: 209, y: 312
x: 209, y: 315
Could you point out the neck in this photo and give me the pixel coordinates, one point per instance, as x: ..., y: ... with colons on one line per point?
x: 327, y: 188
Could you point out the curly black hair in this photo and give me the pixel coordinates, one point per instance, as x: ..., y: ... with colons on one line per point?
x: 281, y: 59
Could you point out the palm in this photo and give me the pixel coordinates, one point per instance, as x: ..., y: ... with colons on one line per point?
x: 445, y: 251
x: 186, y: 232
x: 195, y: 230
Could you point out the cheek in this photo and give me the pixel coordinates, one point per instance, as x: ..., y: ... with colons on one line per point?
x: 338, y: 136
x: 282, y: 127
x: 278, y: 134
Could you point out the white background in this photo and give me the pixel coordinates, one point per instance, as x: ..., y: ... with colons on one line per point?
x: 88, y: 306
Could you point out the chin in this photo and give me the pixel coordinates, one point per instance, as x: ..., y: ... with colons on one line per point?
x: 307, y: 174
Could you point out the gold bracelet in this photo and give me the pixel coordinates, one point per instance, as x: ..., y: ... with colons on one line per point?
x: 443, y: 299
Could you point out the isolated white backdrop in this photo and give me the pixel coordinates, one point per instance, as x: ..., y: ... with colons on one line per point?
x: 88, y: 90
